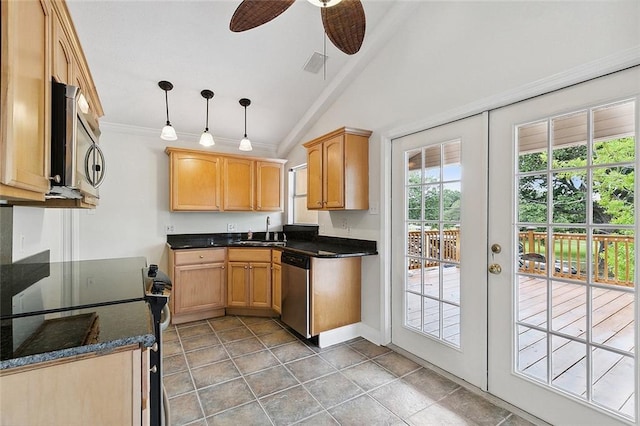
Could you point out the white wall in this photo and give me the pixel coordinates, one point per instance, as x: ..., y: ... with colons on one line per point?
x: 35, y: 230
x: 449, y: 55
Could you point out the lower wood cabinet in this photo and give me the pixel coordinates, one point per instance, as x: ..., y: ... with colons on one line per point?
x: 276, y: 281
x: 107, y: 389
x: 249, y: 278
x: 335, y: 287
x: 199, y: 280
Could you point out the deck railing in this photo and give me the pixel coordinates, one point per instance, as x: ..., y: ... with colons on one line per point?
x: 613, y: 255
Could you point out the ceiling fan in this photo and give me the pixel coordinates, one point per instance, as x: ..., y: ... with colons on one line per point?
x: 344, y: 21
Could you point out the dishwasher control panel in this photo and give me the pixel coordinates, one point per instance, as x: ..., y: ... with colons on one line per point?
x: 298, y: 260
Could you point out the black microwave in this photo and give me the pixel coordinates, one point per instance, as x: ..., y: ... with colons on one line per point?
x: 77, y: 162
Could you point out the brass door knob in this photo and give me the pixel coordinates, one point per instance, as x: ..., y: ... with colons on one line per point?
x: 494, y: 268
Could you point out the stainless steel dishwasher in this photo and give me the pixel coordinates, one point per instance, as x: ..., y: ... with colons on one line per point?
x: 295, y: 291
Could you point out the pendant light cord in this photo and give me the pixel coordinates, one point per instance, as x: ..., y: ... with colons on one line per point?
x: 245, y: 121
x: 324, y: 44
x: 206, y: 129
x: 166, y: 103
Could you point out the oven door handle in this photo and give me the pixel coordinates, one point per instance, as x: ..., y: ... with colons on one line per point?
x: 167, y: 317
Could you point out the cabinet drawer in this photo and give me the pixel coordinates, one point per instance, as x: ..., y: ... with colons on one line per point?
x: 249, y: 255
x: 275, y: 256
x: 188, y: 257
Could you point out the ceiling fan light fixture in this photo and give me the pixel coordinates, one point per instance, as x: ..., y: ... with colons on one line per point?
x: 323, y: 3
x: 206, y: 139
x: 245, y: 143
x: 168, y: 132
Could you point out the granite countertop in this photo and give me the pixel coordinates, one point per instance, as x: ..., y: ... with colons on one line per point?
x: 312, y: 245
x: 39, y: 338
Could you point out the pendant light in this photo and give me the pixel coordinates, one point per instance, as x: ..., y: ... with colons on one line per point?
x: 168, y: 132
x: 245, y: 143
x: 206, y: 139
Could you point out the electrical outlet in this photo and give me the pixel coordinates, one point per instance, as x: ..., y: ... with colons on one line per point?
x: 345, y: 225
x: 169, y: 229
x: 231, y: 227
x: 373, y: 208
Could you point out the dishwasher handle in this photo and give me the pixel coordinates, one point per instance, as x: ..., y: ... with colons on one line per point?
x: 298, y: 260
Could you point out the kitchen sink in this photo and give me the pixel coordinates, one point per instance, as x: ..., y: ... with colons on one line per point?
x: 259, y: 243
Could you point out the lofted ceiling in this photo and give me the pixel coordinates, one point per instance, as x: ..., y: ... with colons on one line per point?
x: 131, y: 45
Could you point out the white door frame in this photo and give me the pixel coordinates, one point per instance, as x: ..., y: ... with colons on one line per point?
x: 609, y: 64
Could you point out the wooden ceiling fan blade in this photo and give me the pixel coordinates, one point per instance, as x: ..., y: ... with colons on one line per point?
x: 345, y: 25
x: 253, y: 13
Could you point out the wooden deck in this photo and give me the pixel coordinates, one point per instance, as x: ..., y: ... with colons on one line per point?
x: 612, y: 327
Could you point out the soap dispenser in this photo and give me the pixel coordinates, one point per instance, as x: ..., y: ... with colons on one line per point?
x: 249, y: 234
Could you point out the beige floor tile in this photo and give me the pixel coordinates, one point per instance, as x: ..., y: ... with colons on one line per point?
x: 310, y: 368
x: 277, y: 338
x: 368, y: 375
x: 196, y: 330
x: 243, y: 347
x: 369, y: 349
x: 333, y: 389
x: 214, y: 373
x: 397, y: 364
x: 291, y: 351
x: 401, y: 399
x: 256, y: 361
x: 185, y: 409
x: 272, y: 380
x: 265, y: 327
x: 173, y: 364
x: 205, y: 356
x: 250, y: 414
x: 199, y: 342
x: 177, y: 384
x: 224, y: 396
x: 323, y: 418
x: 515, y: 420
x: 474, y: 407
x: 171, y: 348
x: 430, y: 383
x: 291, y: 405
x: 343, y: 357
x: 234, y: 334
x: 225, y: 323
x: 363, y: 410
x: 439, y: 415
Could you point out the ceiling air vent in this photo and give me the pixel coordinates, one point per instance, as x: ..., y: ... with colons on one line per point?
x: 315, y: 62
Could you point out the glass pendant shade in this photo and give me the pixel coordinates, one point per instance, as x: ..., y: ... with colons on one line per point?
x: 245, y: 144
x: 168, y: 133
x: 206, y: 139
x: 321, y: 3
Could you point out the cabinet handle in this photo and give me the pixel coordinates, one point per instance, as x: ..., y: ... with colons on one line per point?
x: 201, y: 256
x: 319, y: 203
x: 246, y: 267
x: 154, y: 369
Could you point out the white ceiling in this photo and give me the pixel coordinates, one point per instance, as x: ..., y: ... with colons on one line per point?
x: 131, y: 45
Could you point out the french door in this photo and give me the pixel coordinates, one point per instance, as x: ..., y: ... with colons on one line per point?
x: 439, y: 246
x: 563, y: 208
x: 514, y: 261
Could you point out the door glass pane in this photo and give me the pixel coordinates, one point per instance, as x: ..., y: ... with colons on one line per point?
x: 433, y: 197
x: 575, y: 292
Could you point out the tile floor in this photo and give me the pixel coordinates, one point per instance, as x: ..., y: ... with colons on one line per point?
x: 253, y: 371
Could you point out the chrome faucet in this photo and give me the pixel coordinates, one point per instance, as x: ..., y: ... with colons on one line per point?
x: 266, y: 234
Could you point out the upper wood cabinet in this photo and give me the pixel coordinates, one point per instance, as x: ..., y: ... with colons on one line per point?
x: 238, y: 184
x: 338, y: 170
x: 26, y: 99
x: 209, y: 181
x: 269, y: 186
x: 38, y: 42
x: 195, y: 181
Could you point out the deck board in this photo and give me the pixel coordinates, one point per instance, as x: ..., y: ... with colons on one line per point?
x: 612, y: 326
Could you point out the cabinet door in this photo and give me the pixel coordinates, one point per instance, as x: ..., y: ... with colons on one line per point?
x: 195, y: 182
x: 199, y: 287
x: 269, y: 186
x: 260, y: 288
x: 238, y: 284
x: 314, y: 177
x: 62, y: 64
x: 26, y: 97
x: 276, y: 285
x: 238, y: 184
x: 333, y: 172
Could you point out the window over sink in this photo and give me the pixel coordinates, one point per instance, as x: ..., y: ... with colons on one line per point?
x: 298, y: 212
